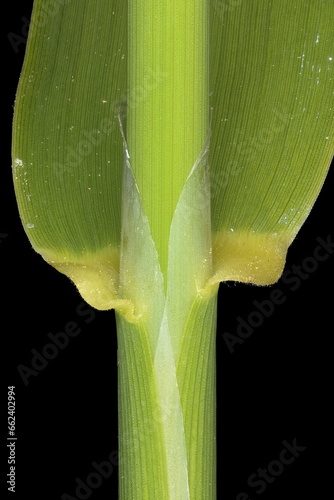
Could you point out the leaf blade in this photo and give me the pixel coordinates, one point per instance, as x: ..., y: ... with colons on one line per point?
x: 272, y: 128
x: 67, y: 146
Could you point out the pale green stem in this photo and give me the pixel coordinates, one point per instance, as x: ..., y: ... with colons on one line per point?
x: 144, y: 471
x: 166, y: 346
x: 168, y: 105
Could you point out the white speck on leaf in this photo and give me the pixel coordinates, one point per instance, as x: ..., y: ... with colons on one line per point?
x: 18, y: 162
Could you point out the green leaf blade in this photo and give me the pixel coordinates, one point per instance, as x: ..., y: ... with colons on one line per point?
x: 272, y: 83
x: 67, y: 146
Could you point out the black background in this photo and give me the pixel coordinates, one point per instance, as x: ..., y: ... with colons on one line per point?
x: 275, y: 386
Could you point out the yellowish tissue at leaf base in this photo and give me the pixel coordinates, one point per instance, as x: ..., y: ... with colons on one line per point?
x: 248, y: 257
x: 96, y: 277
